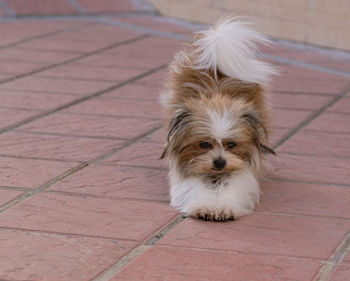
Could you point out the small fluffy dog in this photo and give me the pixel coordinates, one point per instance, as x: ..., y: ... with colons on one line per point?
x: 218, y: 123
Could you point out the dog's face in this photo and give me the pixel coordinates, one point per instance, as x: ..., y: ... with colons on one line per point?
x: 215, y: 135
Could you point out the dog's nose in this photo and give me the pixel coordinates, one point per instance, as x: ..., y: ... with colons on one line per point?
x: 219, y: 163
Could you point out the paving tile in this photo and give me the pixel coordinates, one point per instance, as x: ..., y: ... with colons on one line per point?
x: 118, y: 107
x: 105, y: 6
x: 95, y: 126
x: 102, y: 217
x: 288, y: 118
x: 25, y: 256
x: 4, y: 77
x: 277, y: 134
x: 310, y: 168
x: 147, y: 53
x: 318, y: 143
x: 158, y: 136
x: 85, y: 39
x: 74, y: 71
x: 65, y: 44
x: 34, y: 56
x: 34, y: 101
x: 40, y: 7
x: 156, y: 23
x: 341, y: 273
x: 22, y: 30
x: 140, y: 153
x: 302, y: 80
x: 342, y: 106
x: 19, y: 67
x: 57, y: 85
x: 136, y: 92
x: 198, y: 265
x: 55, y: 147
x: 30, y: 173
x: 305, y: 199
x: 119, y: 182
x: 290, y: 235
x: 331, y: 122
x: 298, y: 101
x: 7, y: 195
x: 11, y: 116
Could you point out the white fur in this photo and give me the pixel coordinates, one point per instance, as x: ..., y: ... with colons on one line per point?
x: 231, y: 48
x: 221, y: 125
x: 237, y: 197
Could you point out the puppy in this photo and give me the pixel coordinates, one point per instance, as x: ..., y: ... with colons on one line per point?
x: 218, y: 123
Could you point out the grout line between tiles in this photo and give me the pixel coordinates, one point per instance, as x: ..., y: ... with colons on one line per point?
x: 44, y: 35
x: 114, y: 269
x: 79, y: 100
x: 339, y: 254
x: 309, y: 119
x: 309, y: 182
x: 135, y: 39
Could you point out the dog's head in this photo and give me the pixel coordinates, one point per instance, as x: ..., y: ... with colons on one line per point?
x: 215, y: 134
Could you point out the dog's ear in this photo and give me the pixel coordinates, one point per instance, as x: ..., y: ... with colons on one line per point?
x: 258, y: 130
x: 176, y: 131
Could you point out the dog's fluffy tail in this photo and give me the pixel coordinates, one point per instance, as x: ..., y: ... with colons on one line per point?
x: 231, y: 48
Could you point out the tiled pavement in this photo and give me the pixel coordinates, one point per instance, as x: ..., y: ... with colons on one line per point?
x: 84, y: 195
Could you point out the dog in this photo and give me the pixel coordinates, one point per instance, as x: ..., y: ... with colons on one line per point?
x: 218, y: 122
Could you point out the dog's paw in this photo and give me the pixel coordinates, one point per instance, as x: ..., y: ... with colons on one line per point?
x: 213, y: 214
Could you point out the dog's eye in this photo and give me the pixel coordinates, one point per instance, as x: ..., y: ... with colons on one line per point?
x: 231, y: 145
x: 205, y: 145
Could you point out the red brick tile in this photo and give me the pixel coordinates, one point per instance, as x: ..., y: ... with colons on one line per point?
x: 343, y: 64
x: 269, y: 234
x: 18, y: 67
x: 30, y: 173
x: 341, y: 273
x: 55, y: 147
x: 158, y: 136
x: 147, y: 53
x: 21, y: 30
x: 125, y: 219
x: 155, y: 23
x: 34, y: 101
x: 59, y: 43
x: 91, y: 73
x: 105, y: 6
x: 305, y: 199
x: 298, y: 101
x: 119, y: 182
x: 342, y: 106
x: 102, y: 31
x: 85, y: 39
x: 318, y: 143
x: 140, y: 153
x: 4, y: 77
x: 277, y: 134
x: 302, y: 80
x: 199, y: 265
x: 47, y: 57
x: 7, y: 195
x: 40, y: 7
x: 56, y: 85
x: 287, y: 118
x: 332, y: 122
x: 98, y: 126
x: 310, y: 168
x: 135, y: 92
x: 118, y: 107
x: 33, y: 256
x: 11, y: 116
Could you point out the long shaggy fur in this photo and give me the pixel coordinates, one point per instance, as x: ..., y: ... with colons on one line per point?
x: 218, y: 123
